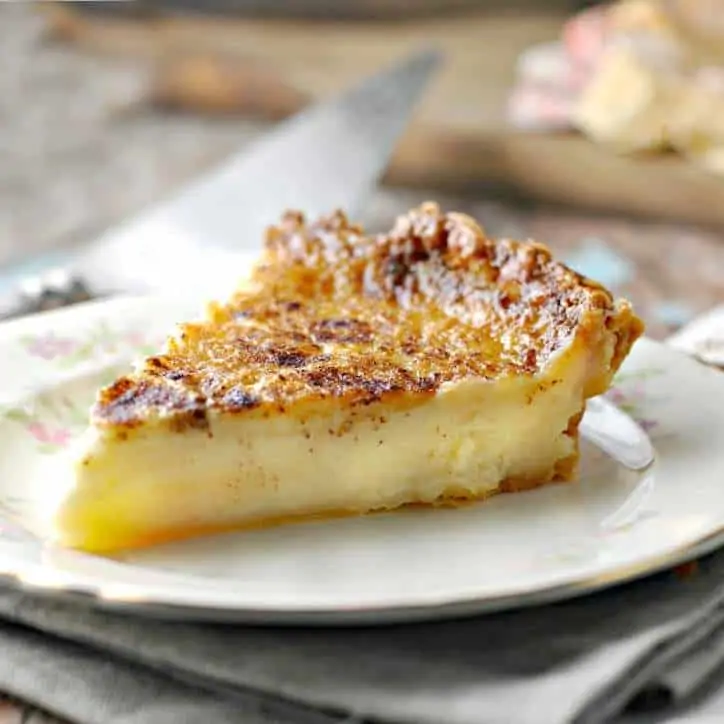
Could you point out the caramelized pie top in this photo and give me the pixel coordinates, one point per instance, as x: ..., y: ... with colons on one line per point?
x: 332, y: 312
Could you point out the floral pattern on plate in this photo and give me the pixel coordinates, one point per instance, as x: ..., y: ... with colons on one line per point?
x: 52, y: 420
x: 631, y: 394
x: 97, y: 343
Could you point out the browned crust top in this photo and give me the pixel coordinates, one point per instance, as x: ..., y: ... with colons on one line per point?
x: 332, y: 312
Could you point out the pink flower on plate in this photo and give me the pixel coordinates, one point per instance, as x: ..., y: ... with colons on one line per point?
x: 48, y: 346
x: 647, y: 425
x: 627, y: 402
x: 134, y: 339
x: 49, y: 436
x: 616, y: 396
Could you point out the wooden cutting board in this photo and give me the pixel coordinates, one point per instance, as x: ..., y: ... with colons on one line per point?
x: 459, y: 139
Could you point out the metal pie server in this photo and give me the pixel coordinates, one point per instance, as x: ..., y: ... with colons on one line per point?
x: 327, y: 157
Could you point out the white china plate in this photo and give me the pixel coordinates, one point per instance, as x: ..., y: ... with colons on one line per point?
x: 556, y: 542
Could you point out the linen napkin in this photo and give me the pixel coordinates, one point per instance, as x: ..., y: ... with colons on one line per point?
x: 648, y: 651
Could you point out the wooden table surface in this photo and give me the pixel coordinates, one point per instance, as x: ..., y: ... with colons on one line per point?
x: 63, y: 181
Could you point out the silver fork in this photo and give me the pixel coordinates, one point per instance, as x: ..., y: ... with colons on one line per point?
x: 55, y: 289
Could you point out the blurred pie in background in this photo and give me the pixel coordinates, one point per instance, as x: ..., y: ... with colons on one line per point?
x: 638, y: 75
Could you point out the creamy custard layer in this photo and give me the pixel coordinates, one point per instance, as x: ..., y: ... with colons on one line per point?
x: 462, y: 443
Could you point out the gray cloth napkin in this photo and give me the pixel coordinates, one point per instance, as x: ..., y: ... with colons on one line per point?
x: 648, y: 648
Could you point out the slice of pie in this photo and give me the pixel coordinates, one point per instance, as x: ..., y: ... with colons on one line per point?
x: 350, y: 374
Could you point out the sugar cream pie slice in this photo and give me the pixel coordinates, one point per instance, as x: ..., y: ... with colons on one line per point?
x: 352, y: 373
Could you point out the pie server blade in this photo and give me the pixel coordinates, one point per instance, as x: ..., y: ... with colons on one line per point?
x: 328, y: 156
